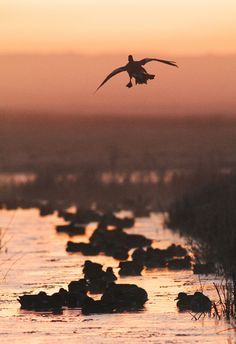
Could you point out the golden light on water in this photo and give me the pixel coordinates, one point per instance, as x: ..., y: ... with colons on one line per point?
x: 44, y: 265
x: 53, y: 55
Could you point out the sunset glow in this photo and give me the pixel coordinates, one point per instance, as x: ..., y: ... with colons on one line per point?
x: 117, y: 171
x: 98, y: 27
x: 61, y: 50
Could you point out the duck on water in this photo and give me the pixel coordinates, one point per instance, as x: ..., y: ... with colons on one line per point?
x: 198, y: 302
x: 136, y: 70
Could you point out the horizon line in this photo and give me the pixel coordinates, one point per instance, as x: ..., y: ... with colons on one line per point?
x: 55, y: 114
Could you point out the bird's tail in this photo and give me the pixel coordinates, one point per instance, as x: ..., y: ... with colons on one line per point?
x: 142, y: 78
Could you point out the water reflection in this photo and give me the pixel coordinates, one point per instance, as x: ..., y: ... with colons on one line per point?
x: 43, y: 264
x: 16, y: 178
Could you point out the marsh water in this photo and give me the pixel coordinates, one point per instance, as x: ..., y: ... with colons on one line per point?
x: 33, y: 258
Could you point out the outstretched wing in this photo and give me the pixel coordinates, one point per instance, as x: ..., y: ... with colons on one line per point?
x: 146, y: 60
x: 115, y: 71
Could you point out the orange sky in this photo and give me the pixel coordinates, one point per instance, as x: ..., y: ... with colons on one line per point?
x: 65, y: 84
x: 107, y: 31
x: 105, y: 26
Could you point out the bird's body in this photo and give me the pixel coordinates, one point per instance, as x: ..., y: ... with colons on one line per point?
x: 136, y: 70
x: 198, y: 302
x: 132, y: 67
x: 42, y: 301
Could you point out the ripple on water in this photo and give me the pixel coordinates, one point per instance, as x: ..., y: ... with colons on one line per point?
x: 45, y: 265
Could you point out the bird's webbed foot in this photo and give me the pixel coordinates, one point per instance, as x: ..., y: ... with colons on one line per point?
x: 129, y: 85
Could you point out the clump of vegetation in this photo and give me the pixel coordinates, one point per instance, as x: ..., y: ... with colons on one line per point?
x: 208, y: 215
x: 224, y: 308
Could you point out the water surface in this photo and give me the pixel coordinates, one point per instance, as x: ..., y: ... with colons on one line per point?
x: 34, y: 259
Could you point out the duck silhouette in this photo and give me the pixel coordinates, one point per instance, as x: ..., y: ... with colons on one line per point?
x: 131, y: 268
x: 180, y: 263
x: 42, y: 301
x: 136, y: 70
x: 198, y: 302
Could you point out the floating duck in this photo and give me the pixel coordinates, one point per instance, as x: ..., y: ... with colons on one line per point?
x: 98, y: 279
x: 130, y: 268
x: 124, y: 296
x: 198, y: 302
x: 71, y: 229
x: 42, y: 301
x: 180, y: 263
x: 135, y: 70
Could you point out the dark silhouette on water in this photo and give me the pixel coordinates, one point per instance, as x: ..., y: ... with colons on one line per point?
x: 135, y: 70
x: 180, y: 263
x: 198, y: 302
x: 115, y: 297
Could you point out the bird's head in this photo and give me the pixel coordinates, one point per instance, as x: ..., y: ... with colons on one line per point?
x: 130, y: 58
x: 181, y: 296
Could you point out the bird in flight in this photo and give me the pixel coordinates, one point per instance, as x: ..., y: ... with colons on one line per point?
x: 135, y: 70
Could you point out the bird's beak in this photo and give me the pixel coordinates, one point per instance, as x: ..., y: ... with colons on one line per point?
x: 176, y: 299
